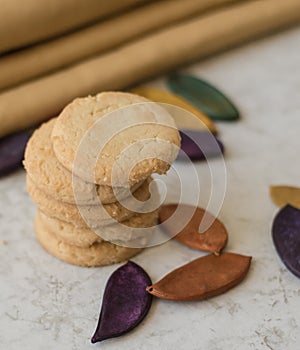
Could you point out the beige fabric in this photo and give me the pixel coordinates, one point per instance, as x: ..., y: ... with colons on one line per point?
x: 46, y: 57
x: 26, y: 22
x: 157, y: 53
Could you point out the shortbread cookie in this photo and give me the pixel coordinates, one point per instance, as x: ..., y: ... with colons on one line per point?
x: 82, y: 237
x: 95, y: 216
x: 135, y: 232
x: 98, y: 254
x: 145, y: 132
x: 56, y: 181
x: 116, y: 233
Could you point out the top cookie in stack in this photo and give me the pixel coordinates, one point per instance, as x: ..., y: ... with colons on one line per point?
x: 90, y: 168
x: 91, y: 119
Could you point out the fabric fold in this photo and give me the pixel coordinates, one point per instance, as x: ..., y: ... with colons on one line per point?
x: 26, y: 22
x: 55, y: 54
x: 160, y: 52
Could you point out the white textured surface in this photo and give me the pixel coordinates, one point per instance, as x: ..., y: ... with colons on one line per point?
x: 45, y: 303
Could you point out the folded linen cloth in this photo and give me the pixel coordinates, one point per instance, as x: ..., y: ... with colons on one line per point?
x: 26, y: 22
x: 157, y: 53
x: 52, y: 55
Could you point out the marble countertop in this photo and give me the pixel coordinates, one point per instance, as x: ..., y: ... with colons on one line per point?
x: 45, y: 303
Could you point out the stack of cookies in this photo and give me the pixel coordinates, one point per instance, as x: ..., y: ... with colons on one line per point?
x: 89, y: 172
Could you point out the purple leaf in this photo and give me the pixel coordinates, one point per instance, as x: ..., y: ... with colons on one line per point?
x: 199, y: 145
x: 125, y: 302
x: 286, y: 237
x: 12, y: 152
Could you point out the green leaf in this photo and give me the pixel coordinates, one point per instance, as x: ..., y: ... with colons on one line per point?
x: 206, y: 97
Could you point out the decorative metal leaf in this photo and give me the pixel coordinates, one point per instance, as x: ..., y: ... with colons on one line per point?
x: 125, y: 302
x: 199, y: 145
x: 206, y: 97
x: 12, y: 152
x: 202, y: 278
x: 214, y: 239
x: 283, y: 195
x: 286, y: 237
x: 158, y: 95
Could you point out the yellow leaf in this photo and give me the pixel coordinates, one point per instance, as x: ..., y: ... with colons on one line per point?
x: 283, y: 195
x: 182, y: 121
